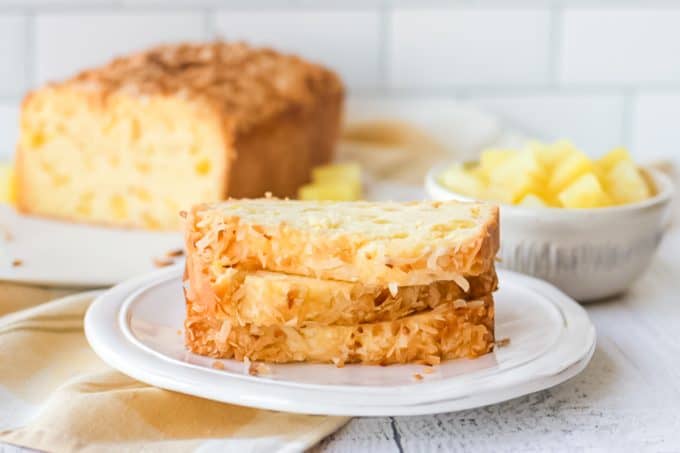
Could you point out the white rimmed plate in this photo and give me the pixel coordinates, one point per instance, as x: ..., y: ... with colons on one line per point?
x: 135, y: 327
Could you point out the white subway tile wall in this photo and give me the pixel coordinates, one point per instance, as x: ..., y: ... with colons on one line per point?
x: 13, y: 49
x: 595, y: 121
x: 601, y: 73
x: 348, y: 42
x: 435, y: 48
x: 620, y: 47
x: 9, y: 128
x: 65, y: 43
x: 656, y: 117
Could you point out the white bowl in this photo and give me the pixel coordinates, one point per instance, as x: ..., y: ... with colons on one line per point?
x: 588, y: 253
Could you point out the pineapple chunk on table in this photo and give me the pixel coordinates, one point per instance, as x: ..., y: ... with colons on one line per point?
x: 7, y: 184
x: 334, y: 182
x: 330, y: 192
x: 350, y: 171
x: 584, y: 192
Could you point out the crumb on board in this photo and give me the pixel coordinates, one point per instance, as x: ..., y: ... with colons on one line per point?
x: 7, y: 234
x: 502, y: 342
x: 417, y: 376
x: 17, y: 263
x: 162, y: 262
x: 179, y: 331
x: 498, y: 259
x: 174, y: 253
x: 428, y: 370
x: 183, y: 214
x: 258, y: 369
x: 218, y: 365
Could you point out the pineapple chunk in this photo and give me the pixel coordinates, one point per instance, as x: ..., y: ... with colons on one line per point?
x: 330, y: 191
x: 585, y: 192
x: 492, y: 158
x: 531, y: 200
x: 465, y: 182
x: 7, y: 184
x: 519, y: 175
x: 575, y: 165
x: 336, y: 182
x: 551, y: 155
x: 613, y: 157
x: 625, y: 184
x: 556, y: 174
x: 498, y: 194
x: 346, y: 172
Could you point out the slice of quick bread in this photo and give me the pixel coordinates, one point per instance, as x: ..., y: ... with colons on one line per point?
x: 385, y: 244
x: 265, y: 298
x: 457, y: 329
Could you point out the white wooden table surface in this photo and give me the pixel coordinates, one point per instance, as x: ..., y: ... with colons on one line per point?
x: 627, y: 399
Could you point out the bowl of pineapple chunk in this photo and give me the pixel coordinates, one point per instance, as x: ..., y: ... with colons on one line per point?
x: 590, y: 226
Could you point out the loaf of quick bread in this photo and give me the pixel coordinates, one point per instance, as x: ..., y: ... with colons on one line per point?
x: 135, y: 141
x: 378, y: 244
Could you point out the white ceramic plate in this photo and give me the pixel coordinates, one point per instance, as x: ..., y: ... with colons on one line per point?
x: 135, y: 327
x: 58, y: 253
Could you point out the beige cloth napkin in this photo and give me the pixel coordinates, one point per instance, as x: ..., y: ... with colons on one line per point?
x: 57, y: 395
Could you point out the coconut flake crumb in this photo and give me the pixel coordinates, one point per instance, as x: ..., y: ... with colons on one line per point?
x: 502, y: 342
x: 259, y: 369
x: 174, y: 253
x: 162, y: 262
x: 7, y: 234
x: 394, y: 288
x: 218, y: 365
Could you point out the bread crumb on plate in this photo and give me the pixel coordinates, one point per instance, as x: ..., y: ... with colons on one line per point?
x: 218, y: 365
x: 502, y: 342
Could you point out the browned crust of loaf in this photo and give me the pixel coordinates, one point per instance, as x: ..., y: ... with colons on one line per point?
x: 277, y: 154
x: 250, y: 248
x: 465, y: 332
x: 247, y: 84
x: 365, y: 305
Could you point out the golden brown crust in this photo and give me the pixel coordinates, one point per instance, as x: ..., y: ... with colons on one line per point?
x: 446, y: 332
x: 247, y: 84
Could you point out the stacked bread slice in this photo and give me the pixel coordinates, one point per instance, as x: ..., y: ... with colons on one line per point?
x: 341, y: 282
